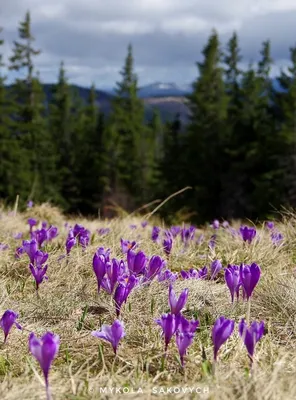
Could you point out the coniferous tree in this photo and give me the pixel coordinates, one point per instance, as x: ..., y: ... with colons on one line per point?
x: 206, y: 132
x: 29, y: 113
x: 89, y: 155
x: 14, y: 164
x: 61, y: 127
x: 127, y: 124
x: 287, y: 100
x: 232, y: 177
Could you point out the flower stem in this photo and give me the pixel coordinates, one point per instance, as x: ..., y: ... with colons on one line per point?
x: 248, y: 312
x: 48, y: 395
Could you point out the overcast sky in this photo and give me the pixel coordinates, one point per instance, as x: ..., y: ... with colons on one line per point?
x: 91, y: 36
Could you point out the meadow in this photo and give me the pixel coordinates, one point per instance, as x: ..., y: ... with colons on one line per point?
x: 69, y: 305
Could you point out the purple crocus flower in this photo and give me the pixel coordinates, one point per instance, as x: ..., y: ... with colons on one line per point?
x: 18, y: 252
x: 216, y: 267
x: 247, y: 233
x: 169, y: 325
x: 40, y: 235
x: 184, y: 325
x: 82, y: 234
x: 251, y: 335
x: 176, y: 304
x: 155, y: 233
x: 100, y: 265
x: 167, y: 246
x: 113, y: 270
x: 70, y: 243
x: 225, y: 224
x: 103, y: 231
x: 52, y: 232
x: 45, y: 351
x: 195, y: 274
x: 249, y: 276
x: 212, y: 242
x: 122, y: 292
x: 144, y: 224
x: 221, y: 331
x: 111, y: 333
x: 187, y: 234
x: 200, y: 239
x: 38, y: 274
x: 30, y: 204
x: 270, y: 225
x: 32, y: 222
x: 276, y: 238
x: 175, y: 230
x: 126, y: 245
x: 215, y: 224
x: 18, y: 235
x: 84, y: 238
x: 40, y: 258
x: 4, y: 246
x: 30, y: 247
x: 183, y: 341
x: 167, y: 275
x: 7, y: 321
x: 133, y: 226
x: 232, y: 279
x: 136, y: 262
x: 154, y: 267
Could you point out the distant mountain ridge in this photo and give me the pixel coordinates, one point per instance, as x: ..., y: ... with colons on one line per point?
x: 167, y: 97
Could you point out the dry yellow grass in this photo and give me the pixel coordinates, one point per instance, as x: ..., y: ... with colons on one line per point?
x: 85, y: 364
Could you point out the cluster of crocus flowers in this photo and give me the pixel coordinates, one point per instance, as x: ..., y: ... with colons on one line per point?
x: 251, y: 335
x: 118, y: 278
x: 188, y: 234
x: 203, y: 273
x: 82, y: 234
x: 175, y: 323
x: 44, y: 234
x: 38, y: 267
x: 37, y: 259
x: 243, y: 276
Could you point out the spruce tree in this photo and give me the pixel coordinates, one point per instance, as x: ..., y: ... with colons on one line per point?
x: 29, y: 113
x: 61, y: 128
x: 287, y: 101
x: 206, y: 132
x: 127, y: 121
x: 14, y: 165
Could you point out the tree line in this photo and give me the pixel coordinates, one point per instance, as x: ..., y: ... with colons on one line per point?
x: 237, y: 153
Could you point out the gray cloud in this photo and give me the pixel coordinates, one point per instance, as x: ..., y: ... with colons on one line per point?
x: 167, y: 35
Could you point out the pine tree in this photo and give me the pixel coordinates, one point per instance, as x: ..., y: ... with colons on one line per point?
x: 206, y: 132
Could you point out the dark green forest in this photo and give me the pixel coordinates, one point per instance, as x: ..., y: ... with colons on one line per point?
x: 237, y: 153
